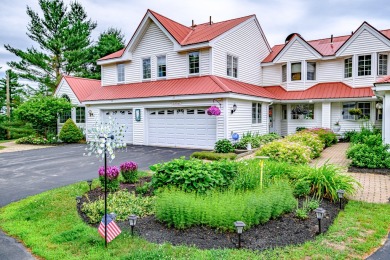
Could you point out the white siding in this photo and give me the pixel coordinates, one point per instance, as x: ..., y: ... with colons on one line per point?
x: 326, y: 115
x: 365, y: 42
x: 139, y: 127
x: 296, y: 52
x: 93, y: 119
x: 330, y: 70
x: 109, y: 75
x: 205, y: 62
x: 272, y: 75
x: 248, y: 45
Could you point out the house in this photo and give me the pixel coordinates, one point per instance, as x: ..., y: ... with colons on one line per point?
x: 161, y: 84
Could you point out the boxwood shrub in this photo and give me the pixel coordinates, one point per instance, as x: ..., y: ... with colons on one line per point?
x: 223, y: 146
x: 285, y: 151
x: 309, y: 139
x: 70, y: 133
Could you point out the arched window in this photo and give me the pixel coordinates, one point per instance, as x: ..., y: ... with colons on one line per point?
x: 66, y: 114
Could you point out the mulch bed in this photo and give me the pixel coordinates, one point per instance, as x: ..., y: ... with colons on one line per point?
x: 385, y: 171
x: 283, y: 231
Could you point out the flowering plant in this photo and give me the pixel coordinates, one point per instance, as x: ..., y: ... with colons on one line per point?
x: 213, y: 111
x: 129, y: 171
x: 112, y: 177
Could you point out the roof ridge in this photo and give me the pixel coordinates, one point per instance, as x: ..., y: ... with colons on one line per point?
x: 70, y: 76
x: 246, y: 16
x: 220, y: 83
x: 153, y: 12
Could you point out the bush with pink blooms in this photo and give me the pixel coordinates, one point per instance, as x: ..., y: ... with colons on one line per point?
x: 129, y: 171
x: 112, y: 177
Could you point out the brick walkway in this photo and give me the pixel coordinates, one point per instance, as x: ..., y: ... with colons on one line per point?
x: 375, y: 187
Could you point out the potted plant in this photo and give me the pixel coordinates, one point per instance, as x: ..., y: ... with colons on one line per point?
x: 336, y: 127
x: 356, y: 112
x: 213, y: 111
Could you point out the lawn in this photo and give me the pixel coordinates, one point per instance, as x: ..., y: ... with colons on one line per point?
x: 48, y: 224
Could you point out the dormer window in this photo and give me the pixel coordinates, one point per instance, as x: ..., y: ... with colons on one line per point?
x: 311, y: 71
x: 120, y: 69
x: 364, y: 65
x: 382, y: 64
x: 146, y: 68
x: 161, y: 66
x: 231, y: 66
x: 296, y: 71
x: 193, y: 62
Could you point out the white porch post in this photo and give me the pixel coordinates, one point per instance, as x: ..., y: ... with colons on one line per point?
x: 386, y: 118
x: 326, y: 115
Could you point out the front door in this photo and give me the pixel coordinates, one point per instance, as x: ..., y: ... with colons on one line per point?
x: 271, y: 119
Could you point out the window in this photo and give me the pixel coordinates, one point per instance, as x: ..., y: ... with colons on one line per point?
x: 382, y: 64
x: 161, y: 66
x: 193, y: 59
x: 80, y: 114
x: 296, y: 69
x: 161, y: 112
x: 120, y: 69
x: 232, y: 66
x: 170, y: 112
x: 201, y: 111
x: 284, y: 73
x: 364, y: 65
x: 284, y: 112
x: 311, y: 71
x: 190, y: 111
x: 348, y: 68
x: 365, y: 107
x: 146, y: 68
x: 256, y: 113
x: 65, y: 115
x: 302, y: 111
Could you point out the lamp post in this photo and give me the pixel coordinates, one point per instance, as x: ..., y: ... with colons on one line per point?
x: 320, y: 212
x: 262, y: 158
x: 239, y: 226
x: 89, y: 184
x: 340, y: 194
x: 132, y: 222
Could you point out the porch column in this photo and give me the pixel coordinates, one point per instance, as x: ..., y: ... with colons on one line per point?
x: 326, y: 115
x: 386, y: 118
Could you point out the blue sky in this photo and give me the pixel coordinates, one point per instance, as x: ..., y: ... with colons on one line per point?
x: 312, y: 19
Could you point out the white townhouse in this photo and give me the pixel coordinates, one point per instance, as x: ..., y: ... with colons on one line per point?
x: 161, y: 84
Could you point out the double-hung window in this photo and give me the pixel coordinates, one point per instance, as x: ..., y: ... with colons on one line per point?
x: 296, y: 71
x: 232, y: 64
x: 146, y: 68
x: 348, y: 68
x: 302, y: 111
x: 284, y: 73
x: 364, y: 65
x: 161, y: 66
x: 364, y: 107
x: 311, y: 71
x: 80, y: 114
x: 193, y: 62
x: 120, y: 69
x: 382, y: 64
x: 284, y: 112
x: 256, y: 113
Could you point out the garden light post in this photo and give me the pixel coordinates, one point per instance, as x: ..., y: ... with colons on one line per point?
x: 340, y: 193
x: 132, y: 222
x: 239, y: 226
x: 89, y: 184
x: 262, y: 158
x: 320, y: 212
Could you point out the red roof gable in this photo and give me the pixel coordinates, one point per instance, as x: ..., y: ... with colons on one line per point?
x: 82, y: 87
x: 326, y: 90
x: 114, y: 55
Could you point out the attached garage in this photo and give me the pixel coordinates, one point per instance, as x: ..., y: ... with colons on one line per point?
x: 124, y: 118
x: 181, y: 127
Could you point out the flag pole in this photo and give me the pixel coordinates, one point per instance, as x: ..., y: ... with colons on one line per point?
x: 105, y: 192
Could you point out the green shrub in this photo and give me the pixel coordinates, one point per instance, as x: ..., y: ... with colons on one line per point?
x: 221, y: 209
x: 248, y: 176
x: 255, y: 139
x: 213, y: 156
x: 300, y: 128
x: 284, y: 151
x: 367, y: 156
x: 143, y: 189
x: 308, y: 139
x: 361, y: 136
x: 193, y: 174
x: 223, y: 146
x: 17, y: 128
x: 327, y: 136
x: 122, y: 203
x: 37, y: 140
x: 307, y: 206
x: 348, y: 135
x: 70, y: 133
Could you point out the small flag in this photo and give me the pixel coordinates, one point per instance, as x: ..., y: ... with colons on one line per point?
x: 112, y: 228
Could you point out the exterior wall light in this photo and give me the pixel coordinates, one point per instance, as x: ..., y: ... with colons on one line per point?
x: 320, y: 212
x: 138, y: 115
x: 234, y: 108
x: 239, y: 226
x: 340, y: 194
x: 89, y: 184
x: 90, y: 113
x: 132, y: 222
x: 379, y: 106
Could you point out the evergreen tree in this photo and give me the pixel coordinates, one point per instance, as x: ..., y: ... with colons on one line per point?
x: 18, y: 92
x: 63, y: 38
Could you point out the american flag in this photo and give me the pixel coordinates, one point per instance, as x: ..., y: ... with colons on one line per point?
x: 112, y: 229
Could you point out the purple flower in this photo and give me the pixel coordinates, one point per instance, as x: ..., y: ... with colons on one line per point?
x: 213, y: 111
x: 112, y: 172
x: 128, y: 166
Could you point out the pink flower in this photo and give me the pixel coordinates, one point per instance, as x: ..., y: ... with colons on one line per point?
x: 112, y: 172
x: 128, y: 166
x: 213, y: 111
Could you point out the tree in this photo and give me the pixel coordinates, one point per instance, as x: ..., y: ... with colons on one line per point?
x: 109, y: 41
x: 42, y: 112
x: 63, y: 37
x: 18, y: 92
x: 70, y: 133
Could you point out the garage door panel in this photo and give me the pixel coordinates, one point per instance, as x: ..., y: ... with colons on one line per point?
x: 121, y: 118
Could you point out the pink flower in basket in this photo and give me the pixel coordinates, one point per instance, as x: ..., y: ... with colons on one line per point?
x: 213, y: 111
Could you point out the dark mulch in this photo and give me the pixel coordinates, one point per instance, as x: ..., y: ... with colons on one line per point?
x: 385, y: 171
x: 286, y: 230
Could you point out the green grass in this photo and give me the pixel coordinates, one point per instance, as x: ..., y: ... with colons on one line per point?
x: 2, y: 147
x: 212, y: 156
x: 6, y: 141
x: 49, y: 225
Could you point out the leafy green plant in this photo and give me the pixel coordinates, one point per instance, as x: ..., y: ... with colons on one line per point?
x: 129, y: 171
x: 327, y: 136
x: 307, y: 206
x: 248, y: 176
x: 284, y: 151
x: 122, y: 203
x: 37, y: 140
x: 309, y: 139
x: 70, y: 133
x: 302, y: 188
x: 300, y: 128
x: 348, y: 135
x: 221, y: 209
x: 223, y: 146
x: 368, y: 156
x: 213, y: 156
x: 255, y: 139
x: 301, y: 213
x: 143, y: 189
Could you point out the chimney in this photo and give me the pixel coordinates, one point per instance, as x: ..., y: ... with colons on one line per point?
x: 352, y: 33
x: 210, y: 22
x: 331, y: 39
x: 193, y: 24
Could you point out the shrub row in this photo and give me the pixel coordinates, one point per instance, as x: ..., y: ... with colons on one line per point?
x: 213, y: 156
x: 255, y: 139
x: 221, y: 209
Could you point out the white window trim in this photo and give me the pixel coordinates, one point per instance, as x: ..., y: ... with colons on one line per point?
x: 281, y: 70
x: 356, y: 65
x: 257, y: 112
x: 117, y: 73
x: 315, y: 72
x: 233, y: 56
x: 188, y: 64
x: 377, y: 63
x: 356, y: 106
x: 302, y: 71
x: 166, y: 66
x: 352, y: 64
x: 142, y: 68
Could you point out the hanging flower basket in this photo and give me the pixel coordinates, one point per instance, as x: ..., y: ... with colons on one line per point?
x: 213, y: 111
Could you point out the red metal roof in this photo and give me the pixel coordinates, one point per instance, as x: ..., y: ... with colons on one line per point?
x: 384, y: 80
x: 185, y: 35
x: 82, y: 87
x: 328, y: 90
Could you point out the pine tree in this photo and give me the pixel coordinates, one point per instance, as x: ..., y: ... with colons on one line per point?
x: 63, y: 37
x: 18, y: 92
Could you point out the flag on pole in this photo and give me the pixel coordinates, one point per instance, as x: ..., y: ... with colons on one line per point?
x: 112, y: 229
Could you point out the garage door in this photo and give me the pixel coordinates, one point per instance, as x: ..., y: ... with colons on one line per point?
x: 183, y: 127
x: 122, y: 117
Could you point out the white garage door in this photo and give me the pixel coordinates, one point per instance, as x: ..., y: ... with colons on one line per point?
x: 183, y: 127
x: 122, y: 117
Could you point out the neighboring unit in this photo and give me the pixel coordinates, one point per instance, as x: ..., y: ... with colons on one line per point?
x: 162, y: 83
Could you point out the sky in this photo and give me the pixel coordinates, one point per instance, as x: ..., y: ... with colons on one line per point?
x: 312, y: 19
